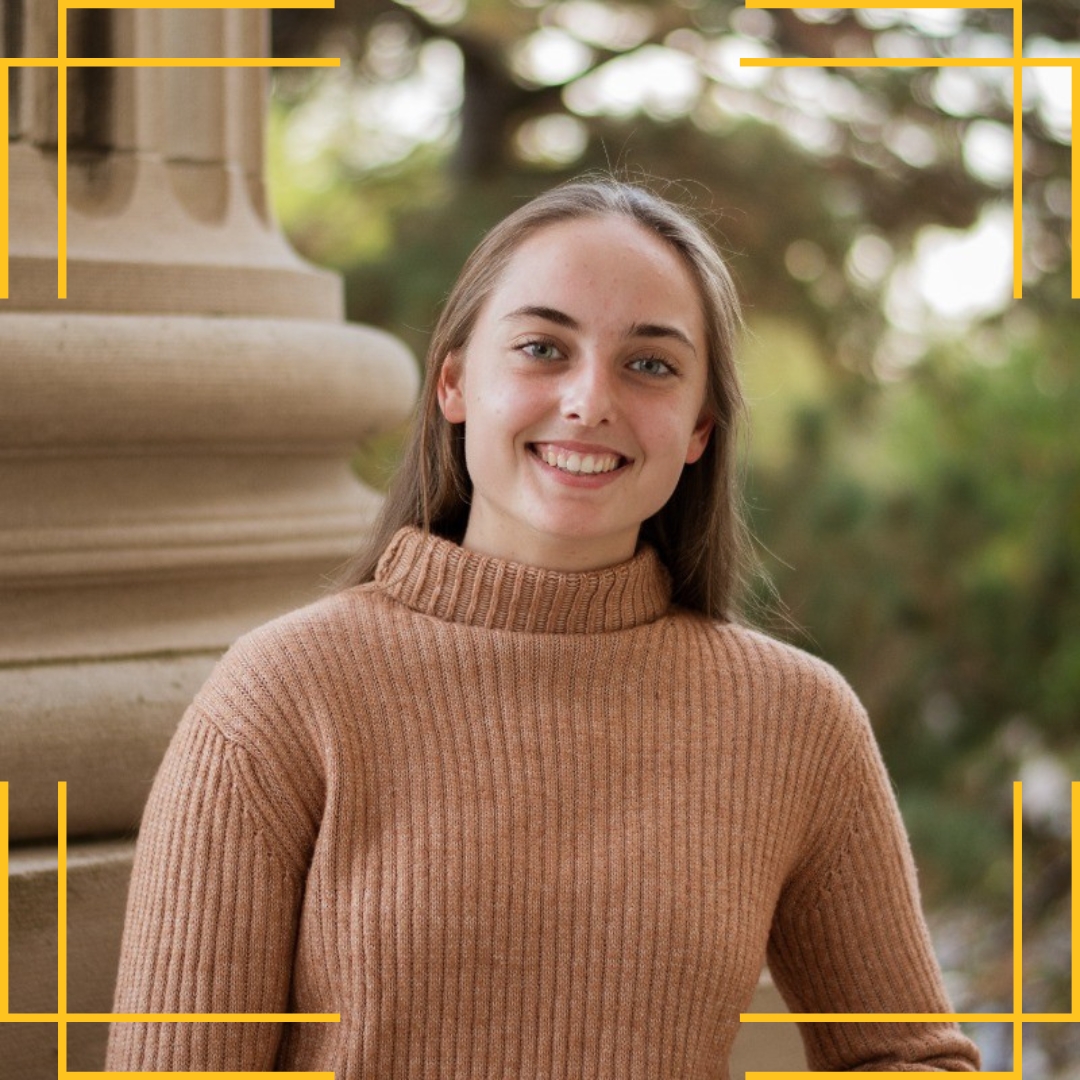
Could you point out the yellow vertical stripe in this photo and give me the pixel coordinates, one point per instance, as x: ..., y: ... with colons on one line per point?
x: 5, y: 76
x: 61, y: 927
x: 1018, y: 151
x: 1074, y: 75
x: 1018, y: 925
x: 1018, y: 182
x: 61, y: 149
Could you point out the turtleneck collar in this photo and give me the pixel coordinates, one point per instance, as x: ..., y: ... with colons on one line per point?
x: 438, y: 577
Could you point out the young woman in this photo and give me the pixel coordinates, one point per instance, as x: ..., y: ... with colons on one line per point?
x: 527, y: 800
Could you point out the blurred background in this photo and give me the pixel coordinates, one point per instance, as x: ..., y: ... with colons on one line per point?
x: 913, y: 473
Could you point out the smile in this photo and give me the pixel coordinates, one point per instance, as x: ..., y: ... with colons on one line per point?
x: 576, y: 463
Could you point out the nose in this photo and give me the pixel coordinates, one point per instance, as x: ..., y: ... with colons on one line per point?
x: 589, y: 394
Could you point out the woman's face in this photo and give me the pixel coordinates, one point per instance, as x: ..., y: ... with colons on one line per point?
x: 581, y: 390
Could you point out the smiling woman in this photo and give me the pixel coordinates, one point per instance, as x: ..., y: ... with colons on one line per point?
x: 526, y: 798
x: 651, y: 276
x: 582, y: 392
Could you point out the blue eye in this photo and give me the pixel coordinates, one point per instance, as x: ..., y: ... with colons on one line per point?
x: 652, y: 365
x: 540, y: 350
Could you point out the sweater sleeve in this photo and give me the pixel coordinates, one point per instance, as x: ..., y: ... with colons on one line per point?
x: 212, y: 908
x: 848, y: 934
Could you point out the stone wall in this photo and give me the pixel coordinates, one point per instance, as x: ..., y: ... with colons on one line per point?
x: 174, y: 453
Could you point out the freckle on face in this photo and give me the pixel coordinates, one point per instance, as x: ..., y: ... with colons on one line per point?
x: 610, y: 276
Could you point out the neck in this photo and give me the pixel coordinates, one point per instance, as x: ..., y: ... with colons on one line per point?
x: 568, y: 555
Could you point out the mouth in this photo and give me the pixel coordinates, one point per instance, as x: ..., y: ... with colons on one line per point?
x: 577, y: 462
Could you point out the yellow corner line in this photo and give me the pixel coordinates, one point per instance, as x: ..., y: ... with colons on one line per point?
x: 203, y: 61
x: 171, y: 1018
x: 1018, y: 182
x: 1075, y: 296
x: 877, y: 1018
x: 62, y: 62
x: 1018, y: 891
x: 4, y: 286
x: 202, y: 1018
x: 170, y: 61
x: 878, y: 61
x: 61, y: 153
x: 1018, y: 896
x: 61, y: 927
x: 910, y: 61
x: 908, y: 1018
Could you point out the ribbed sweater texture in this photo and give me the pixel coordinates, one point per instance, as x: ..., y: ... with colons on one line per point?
x: 511, y: 822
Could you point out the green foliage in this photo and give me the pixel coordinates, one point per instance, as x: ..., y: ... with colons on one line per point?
x: 928, y: 544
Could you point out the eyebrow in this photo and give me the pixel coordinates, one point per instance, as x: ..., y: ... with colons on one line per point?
x: 659, y: 330
x: 540, y: 312
x: 646, y: 330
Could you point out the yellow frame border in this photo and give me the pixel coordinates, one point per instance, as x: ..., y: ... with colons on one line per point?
x: 62, y: 62
x: 1017, y: 62
x: 1017, y: 1017
x: 62, y: 1017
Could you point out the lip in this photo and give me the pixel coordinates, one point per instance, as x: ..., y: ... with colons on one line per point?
x: 580, y: 447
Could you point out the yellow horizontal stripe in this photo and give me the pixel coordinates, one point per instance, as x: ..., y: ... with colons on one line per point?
x: 910, y: 61
x: 202, y: 1018
x: 203, y: 61
x: 908, y: 1018
x: 173, y: 1018
x: 886, y: 61
x: 172, y: 61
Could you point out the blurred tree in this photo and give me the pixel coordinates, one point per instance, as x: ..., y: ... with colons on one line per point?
x: 835, y: 171
x: 930, y: 548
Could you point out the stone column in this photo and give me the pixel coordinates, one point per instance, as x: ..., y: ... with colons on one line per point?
x: 174, y: 452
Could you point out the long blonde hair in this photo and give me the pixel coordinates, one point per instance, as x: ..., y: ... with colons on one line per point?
x: 700, y: 533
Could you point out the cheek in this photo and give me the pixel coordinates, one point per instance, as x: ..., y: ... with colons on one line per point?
x: 504, y: 410
x: 668, y: 435
x: 662, y: 429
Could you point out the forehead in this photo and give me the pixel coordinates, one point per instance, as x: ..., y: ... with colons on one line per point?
x: 591, y: 266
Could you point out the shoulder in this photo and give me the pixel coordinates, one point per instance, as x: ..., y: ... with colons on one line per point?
x: 274, y: 674
x: 319, y: 623
x: 780, y: 670
x: 774, y: 687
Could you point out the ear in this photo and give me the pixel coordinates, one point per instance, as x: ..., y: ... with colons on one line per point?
x: 699, y: 438
x: 451, y: 389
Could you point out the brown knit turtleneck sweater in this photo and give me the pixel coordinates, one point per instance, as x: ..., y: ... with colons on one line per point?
x: 517, y: 823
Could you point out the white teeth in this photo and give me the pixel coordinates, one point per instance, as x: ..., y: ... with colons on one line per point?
x: 579, y: 464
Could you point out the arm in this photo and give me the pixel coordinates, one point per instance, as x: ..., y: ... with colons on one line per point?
x: 212, y: 909
x: 849, y: 936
